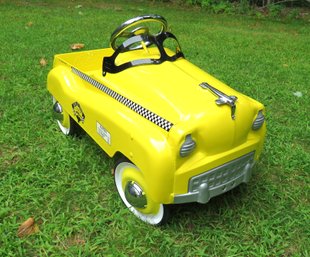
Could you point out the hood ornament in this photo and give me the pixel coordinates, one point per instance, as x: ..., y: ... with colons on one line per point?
x: 223, y: 98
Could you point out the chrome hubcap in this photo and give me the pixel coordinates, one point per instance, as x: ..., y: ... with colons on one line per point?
x: 135, y: 195
x: 58, y: 114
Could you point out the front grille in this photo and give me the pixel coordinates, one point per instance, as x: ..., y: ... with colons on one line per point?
x: 223, y: 174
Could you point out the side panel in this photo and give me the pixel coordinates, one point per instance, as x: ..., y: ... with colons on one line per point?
x: 116, y: 128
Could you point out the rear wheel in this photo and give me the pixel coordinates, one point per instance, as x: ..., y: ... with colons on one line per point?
x: 67, y: 125
x: 133, y: 192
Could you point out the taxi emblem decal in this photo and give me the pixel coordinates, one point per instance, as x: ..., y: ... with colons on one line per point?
x: 78, y: 112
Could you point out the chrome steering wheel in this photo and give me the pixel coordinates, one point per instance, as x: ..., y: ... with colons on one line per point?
x: 138, y: 26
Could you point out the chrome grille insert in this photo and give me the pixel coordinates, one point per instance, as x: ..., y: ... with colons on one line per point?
x: 218, y: 180
x: 223, y: 174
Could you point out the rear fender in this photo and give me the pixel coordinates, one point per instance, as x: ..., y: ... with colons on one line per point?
x: 60, y: 83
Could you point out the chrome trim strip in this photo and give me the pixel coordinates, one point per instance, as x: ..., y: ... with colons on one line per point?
x: 149, y: 115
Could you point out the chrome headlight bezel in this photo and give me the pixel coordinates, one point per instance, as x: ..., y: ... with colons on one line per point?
x: 188, y: 146
x: 259, y: 121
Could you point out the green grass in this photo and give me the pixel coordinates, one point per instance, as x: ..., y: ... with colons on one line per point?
x: 66, y: 184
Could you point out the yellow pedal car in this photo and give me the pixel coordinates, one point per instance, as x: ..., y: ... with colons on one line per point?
x: 179, y: 134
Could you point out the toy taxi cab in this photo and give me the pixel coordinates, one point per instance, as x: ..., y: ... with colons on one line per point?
x: 179, y: 134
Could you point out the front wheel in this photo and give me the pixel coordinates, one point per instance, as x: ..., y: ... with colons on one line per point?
x: 133, y: 192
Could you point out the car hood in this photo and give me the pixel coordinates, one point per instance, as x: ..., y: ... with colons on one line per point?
x: 172, y: 91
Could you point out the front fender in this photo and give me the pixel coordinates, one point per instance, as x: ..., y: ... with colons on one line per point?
x: 155, y: 159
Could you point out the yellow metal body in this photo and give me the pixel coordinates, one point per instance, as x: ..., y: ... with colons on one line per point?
x: 170, y: 90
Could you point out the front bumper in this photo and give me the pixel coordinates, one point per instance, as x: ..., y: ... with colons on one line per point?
x: 218, y: 180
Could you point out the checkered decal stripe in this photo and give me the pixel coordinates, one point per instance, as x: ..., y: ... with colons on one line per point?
x: 151, y: 116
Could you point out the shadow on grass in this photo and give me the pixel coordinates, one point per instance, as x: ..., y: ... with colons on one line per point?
x: 217, y: 209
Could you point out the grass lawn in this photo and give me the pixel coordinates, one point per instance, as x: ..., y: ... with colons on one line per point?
x: 65, y: 183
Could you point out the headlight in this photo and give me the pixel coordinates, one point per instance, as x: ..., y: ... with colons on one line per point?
x: 188, y: 146
x: 259, y: 121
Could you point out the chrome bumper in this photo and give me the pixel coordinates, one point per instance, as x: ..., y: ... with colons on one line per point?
x: 218, y: 180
